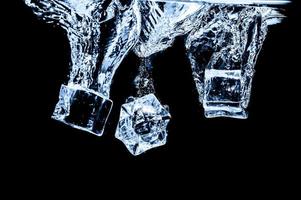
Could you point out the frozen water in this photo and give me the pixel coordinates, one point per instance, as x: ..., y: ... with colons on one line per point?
x: 100, y: 33
x: 142, y: 124
x: 82, y: 109
x: 223, y: 51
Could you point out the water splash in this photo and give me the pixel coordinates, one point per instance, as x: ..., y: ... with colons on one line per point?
x: 223, y: 40
x: 100, y: 33
x: 161, y: 23
x: 223, y: 51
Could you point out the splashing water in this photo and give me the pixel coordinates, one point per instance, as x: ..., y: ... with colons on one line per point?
x: 223, y: 51
x: 222, y: 37
x: 100, y: 33
x: 96, y: 52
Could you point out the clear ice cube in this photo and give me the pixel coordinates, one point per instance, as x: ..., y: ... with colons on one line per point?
x: 142, y: 124
x: 82, y: 109
x: 223, y: 51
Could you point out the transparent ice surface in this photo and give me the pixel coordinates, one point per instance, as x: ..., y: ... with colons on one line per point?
x: 82, y: 109
x: 100, y: 33
x: 223, y: 51
x: 142, y: 124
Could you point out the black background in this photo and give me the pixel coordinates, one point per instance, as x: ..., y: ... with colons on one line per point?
x: 37, y: 56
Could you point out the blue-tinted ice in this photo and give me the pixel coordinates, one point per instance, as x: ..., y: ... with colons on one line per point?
x: 222, y: 37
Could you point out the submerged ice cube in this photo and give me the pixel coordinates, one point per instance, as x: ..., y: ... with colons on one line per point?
x: 223, y: 51
x: 222, y: 94
x: 142, y: 124
x: 82, y: 109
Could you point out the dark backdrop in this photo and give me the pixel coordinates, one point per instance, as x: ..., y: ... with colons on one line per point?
x: 38, y: 61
